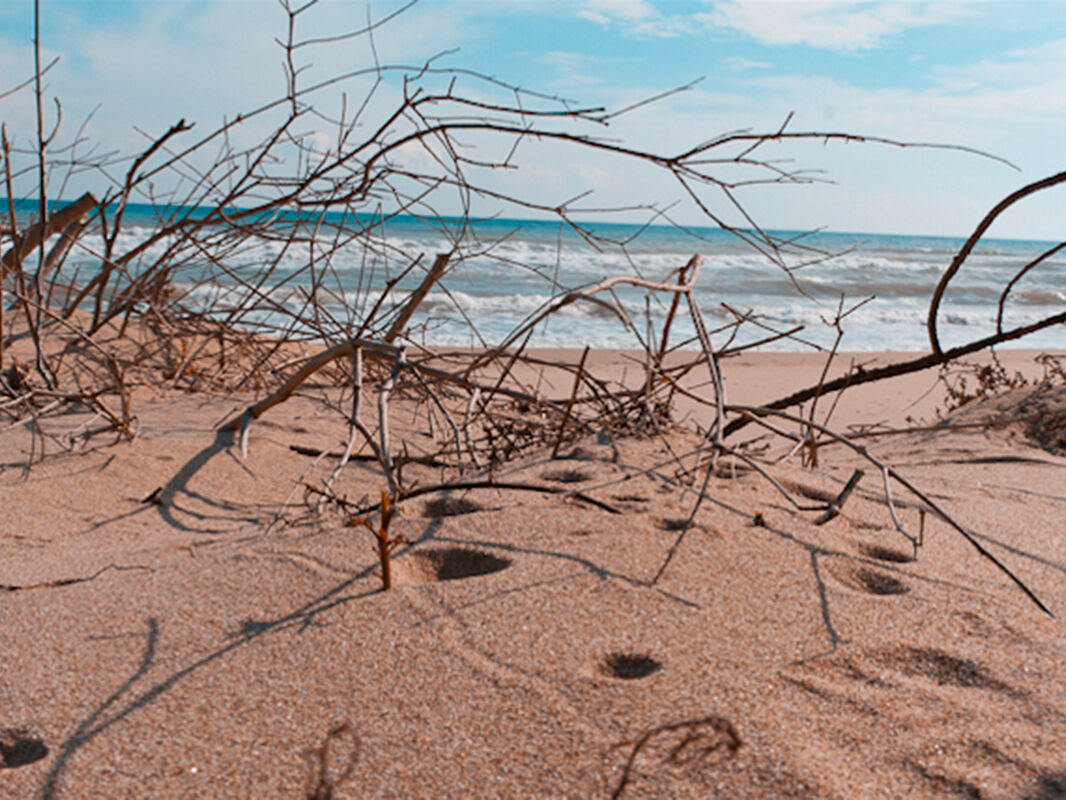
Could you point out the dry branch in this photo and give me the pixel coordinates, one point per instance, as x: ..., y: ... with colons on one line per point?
x: 755, y: 413
x: 899, y: 368
x: 371, y: 349
x: 964, y: 251
x: 41, y: 230
x: 417, y: 296
x: 833, y: 511
x: 231, y: 199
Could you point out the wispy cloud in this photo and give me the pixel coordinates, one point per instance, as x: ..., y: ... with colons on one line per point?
x: 626, y: 11
x: 840, y: 25
x: 739, y: 63
x: 1040, y: 65
x: 573, y: 69
x: 639, y: 18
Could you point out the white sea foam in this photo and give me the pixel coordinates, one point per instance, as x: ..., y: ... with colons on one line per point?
x: 497, y: 286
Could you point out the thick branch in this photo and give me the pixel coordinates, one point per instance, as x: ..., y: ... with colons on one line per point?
x: 900, y: 368
x: 42, y: 230
x: 417, y: 296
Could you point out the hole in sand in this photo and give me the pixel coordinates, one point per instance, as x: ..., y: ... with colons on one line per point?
x: 886, y: 554
x: 450, y: 507
x: 866, y: 579
x: 19, y: 748
x: 878, y: 583
x: 566, y: 476
x: 447, y: 564
x: 629, y: 666
x: 676, y: 524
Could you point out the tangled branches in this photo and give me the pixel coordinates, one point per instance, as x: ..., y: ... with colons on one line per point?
x: 213, y: 262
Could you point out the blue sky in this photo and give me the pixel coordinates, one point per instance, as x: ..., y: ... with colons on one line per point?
x: 984, y: 75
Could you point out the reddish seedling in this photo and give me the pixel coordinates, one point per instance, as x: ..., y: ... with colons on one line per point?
x: 385, y: 543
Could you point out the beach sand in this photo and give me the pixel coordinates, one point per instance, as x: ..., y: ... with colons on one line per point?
x: 220, y: 640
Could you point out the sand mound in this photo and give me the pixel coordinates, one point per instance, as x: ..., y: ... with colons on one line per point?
x: 201, y: 647
x: 1035, y: 415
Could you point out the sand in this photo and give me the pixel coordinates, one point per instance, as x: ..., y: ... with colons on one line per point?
x: 221, y: 640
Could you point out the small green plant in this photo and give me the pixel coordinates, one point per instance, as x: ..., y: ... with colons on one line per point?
x: 385, y: 543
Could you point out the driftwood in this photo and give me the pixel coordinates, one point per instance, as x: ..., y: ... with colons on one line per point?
x: 836, y: 505
x: 938, y: 356
x: 417, y: 296
x: 385, y: 350
x: 379, y: 351
x: 63, y: 219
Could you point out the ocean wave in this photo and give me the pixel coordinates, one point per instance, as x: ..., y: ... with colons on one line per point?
x: 497, y: 284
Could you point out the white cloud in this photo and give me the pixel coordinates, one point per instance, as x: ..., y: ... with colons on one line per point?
x: 208, y: 61
x: 840, y: 25
x: 1012, y: 105
x: 1032, y: 66
x: 629, y: 11
x: 639, y: 18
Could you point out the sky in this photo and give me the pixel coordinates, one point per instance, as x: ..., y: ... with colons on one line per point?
x: 989, y: 76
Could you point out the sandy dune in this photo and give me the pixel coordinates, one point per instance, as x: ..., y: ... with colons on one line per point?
x: 219, y: 639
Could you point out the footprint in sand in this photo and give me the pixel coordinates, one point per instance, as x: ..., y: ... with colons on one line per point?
x: 19, y: 747
x: 430, y: 565
x: 868, y: 580
x: 625, y: 666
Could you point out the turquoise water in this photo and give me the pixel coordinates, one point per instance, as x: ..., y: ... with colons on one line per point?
x: 505, y: 270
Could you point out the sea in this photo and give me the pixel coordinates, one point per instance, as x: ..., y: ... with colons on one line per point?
x: 505, y: 271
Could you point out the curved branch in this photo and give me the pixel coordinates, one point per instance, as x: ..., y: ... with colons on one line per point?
x: 979, y: 231
x: 1020, y: 274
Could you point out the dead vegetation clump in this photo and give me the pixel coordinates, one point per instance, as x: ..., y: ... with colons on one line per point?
x: 1030, y: 409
